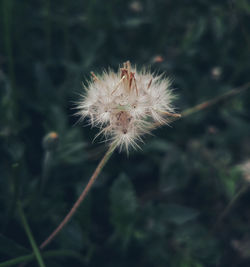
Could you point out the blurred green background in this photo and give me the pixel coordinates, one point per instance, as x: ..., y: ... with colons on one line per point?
x: 183, y: 200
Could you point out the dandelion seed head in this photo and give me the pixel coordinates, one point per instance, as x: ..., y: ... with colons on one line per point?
x: 127, y: 104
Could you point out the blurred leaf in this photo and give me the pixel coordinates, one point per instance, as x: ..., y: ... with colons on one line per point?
x: 178, y: 214
x: 123, y: 207
x: 197, y: 241
x: 231, y: 179
x: 136, y: 22
x: 75, y: 242
x: 244, y: 5
x: 158, y: 145
x: 15, y: 150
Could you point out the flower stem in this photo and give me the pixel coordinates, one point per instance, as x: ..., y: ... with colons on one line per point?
x: 215, y: 100
x: 30, y: 236
x: 204, y: 105
x: 47, y: 254
x: 82, y: 196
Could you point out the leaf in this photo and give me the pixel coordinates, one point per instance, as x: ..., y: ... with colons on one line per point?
x: 178, y: 214
x: 123, y: 207
x: 230, y: 179
x: 71, y: 238
x: 198, y: 240
x: 158, y: 145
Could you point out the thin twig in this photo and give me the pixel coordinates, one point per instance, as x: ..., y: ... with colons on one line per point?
x: 216, y: 100
x: 207, y: 104
x: 228, y: 208
x: 81, y: 197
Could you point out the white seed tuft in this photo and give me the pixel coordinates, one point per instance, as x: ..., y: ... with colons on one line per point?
x: 127, y: 104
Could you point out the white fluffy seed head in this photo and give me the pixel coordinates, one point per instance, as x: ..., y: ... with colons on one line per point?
x: 127, y: 104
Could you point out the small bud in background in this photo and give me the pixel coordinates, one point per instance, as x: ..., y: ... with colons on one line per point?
x: 50, y: 141
x: 158, y: 59
x: 136, y: 6
x: 212, y: 130
x: 216, y: 73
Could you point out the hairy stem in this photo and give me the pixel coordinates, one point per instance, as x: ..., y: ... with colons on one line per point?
x: 82, y: 196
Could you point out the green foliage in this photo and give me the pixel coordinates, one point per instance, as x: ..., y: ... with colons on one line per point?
x: 182, y: 200
x: 178, y: 214
x: 123, y: 208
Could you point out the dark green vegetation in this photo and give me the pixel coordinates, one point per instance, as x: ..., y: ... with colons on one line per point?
x: 166, y: 205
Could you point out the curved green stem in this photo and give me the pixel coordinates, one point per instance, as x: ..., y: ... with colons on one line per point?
x: 30, y: 236
x: 48, y: 254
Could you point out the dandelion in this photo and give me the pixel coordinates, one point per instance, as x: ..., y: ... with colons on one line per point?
x: 127, y: 104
